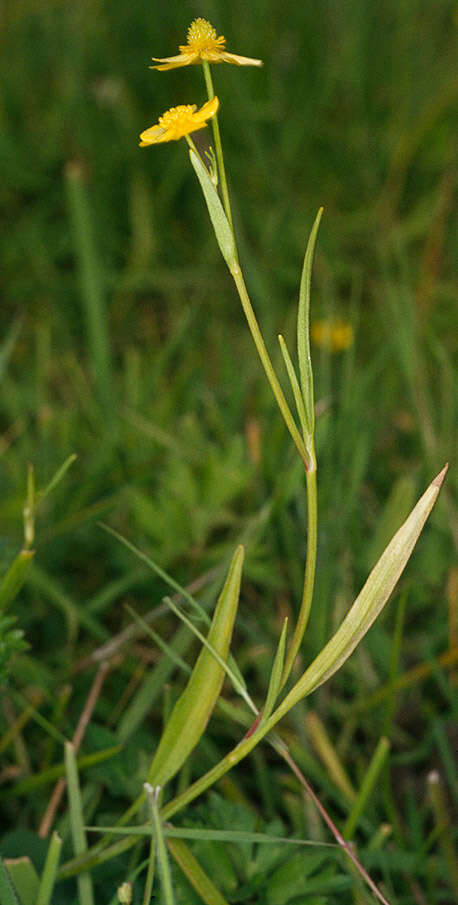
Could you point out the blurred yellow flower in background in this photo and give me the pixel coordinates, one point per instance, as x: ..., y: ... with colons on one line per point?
x: 178, y: 122
x: 333, y: 335
x: 203, y: 44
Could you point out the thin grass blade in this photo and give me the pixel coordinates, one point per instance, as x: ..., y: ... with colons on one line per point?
x: 161, y: 850
x: 197, y: 877
x: 92, y: 289
x: 85, y: 890
x: 367, y: 786
x: 15, y: 577
x: 56, y: 478
x: 49, y: 875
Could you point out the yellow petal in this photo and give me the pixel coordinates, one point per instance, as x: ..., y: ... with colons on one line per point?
x: 226, y: 57
x: 208, y: 109
x: 182, y: 59
x: 151, y: 136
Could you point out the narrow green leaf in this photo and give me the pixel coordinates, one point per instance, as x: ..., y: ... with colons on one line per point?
x: 303, y: 329
x: 93, y: 295
x: 369, y: 603
x: 158, y: 844
x: 167, y: 649
x: 15, y: 577
x: 197, y: 877
x: 371, y: 776
x: 152, y: 795
x: 56, y: 478
x: 276, y: 674
x: 198, y: 609
x: 192, y: 711
x: 294, y: 386
x: 49, y: 875
x: 211, y: 835
x: 218, y: 218
x: 86, y: 895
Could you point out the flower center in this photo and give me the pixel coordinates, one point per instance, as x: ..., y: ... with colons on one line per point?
x: 202, y: 36
x: 176, y: 115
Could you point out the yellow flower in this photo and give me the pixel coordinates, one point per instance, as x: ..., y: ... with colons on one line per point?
x: 333, y: 335
x: 179, y: 121
x: 203, y: 44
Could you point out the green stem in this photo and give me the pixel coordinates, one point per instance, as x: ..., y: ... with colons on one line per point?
x: 267, y: 364
x: 310, y: 565
x: 191, y: 144
x: 218, y: 145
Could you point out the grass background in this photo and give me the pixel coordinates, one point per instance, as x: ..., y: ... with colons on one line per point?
x: 122, y: 341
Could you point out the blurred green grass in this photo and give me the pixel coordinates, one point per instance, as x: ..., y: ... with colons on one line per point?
x: 122, y: 342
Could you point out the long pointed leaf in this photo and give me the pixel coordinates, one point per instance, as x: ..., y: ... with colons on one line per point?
x: 276, y: 674
x: 303, y: 328
x: 220, y: 223
x: 193, y: 709
x: 370, y: 601
x: 294, y: 385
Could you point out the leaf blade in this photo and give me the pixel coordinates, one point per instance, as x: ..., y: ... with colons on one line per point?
x: 193, y: 709
x: 303, y: 328
x: 369, y: 602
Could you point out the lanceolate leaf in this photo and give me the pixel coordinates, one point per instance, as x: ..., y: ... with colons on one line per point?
x: 303, y: 328
x: 371, y: 600
x: 192, y: 711
x: 294, y: 386
x: 218, y: 218
x: 276, y: 674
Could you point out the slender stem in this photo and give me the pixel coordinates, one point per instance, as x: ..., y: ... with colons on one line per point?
x: 191, y: 144
x: 267, y: 364
x: 309, y: 576
x: 242, y: 290
x: 218, y: 145
x: 284, y: 752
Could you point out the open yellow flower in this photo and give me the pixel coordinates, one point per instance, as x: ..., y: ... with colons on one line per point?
x: 203, y: 44
x: 179, y: 121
